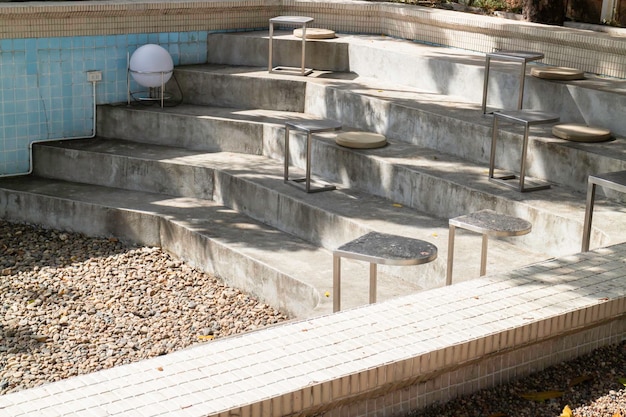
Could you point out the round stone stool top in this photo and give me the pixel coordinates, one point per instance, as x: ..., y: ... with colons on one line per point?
x: 557, y: 73
x: 581, y: 133
x: 491, y: 223
x: 315, y: 33
x: 361, y: 140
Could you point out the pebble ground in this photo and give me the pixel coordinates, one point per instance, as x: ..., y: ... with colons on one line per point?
x: 591, y: 386
x: 71, y: 305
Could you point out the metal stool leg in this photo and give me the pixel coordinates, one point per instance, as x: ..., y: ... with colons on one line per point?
x: 591, y: 195
x: 486, y: 84
x: 494, y: 138
x: 308, y: 162
x: 286, y: 169
x: 336, y: 283
x: 450, y: 255
x: 269, y: 60
x: 483, y: 255
x: 522, y: 175
x: 373, y: 271
x: 522, y: 80
x: 303, y: 70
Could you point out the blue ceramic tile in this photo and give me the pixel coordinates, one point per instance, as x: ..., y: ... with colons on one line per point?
x: 6, y: 44
x: 10, y: 132
x: 121, y: 41
x: 78, y: 42
x: 66, y: 43
x: 19, y: 44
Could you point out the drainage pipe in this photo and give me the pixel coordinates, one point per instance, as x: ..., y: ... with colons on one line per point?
x: 30, y: 145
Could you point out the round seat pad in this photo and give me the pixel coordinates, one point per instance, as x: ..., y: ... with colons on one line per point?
x: 361, y: 140
x: 315, y: 33
x: 581, y: 133
x: 557, y: 73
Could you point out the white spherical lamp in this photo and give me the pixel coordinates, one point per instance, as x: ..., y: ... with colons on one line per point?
x: 151, y: 65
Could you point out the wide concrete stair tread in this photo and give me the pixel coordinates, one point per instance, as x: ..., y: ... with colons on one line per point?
x: 435, y: 165
x: 254, y: 185
x: 448, y: 123
x: 448, y: 71
x: 302, y: 271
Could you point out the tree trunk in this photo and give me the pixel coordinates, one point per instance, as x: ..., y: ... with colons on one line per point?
x: 551, y: 12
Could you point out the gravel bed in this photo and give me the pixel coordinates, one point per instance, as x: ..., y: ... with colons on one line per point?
x: 72, y: 305
x: 591, y: 386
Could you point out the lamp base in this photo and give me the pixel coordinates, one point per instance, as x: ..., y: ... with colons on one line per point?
x: 153, y: 94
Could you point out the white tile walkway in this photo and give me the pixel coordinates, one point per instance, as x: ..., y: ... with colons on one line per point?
x: 306, y: 364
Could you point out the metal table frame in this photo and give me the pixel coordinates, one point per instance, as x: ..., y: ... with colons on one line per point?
x: 527, y: 118
x: 488, y: 223
x: 522, y: 57
x: 308, y: 127
x: 295, y: 21
x: 379, y: 248
x: 612, y: 180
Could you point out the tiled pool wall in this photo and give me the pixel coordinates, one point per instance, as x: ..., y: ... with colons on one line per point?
x: 46, y: 50
x: 45, y: 91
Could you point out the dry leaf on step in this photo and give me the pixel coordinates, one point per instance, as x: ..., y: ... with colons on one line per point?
x: 580, y: 380
x: 567, y: 412
x: 542, y: 396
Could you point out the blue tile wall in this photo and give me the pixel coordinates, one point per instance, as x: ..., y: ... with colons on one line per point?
x: 44, y: 92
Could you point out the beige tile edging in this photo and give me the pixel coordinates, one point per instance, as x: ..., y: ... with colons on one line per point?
x: 593, y: 52
x: 383, y: 358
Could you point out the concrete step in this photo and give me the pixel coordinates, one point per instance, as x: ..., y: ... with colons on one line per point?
x: 596, y: 100
x: 429, y: 180
x: 279, y: 268
x: 253, y: 185
x: 438, y: 186
x: 445, y: 123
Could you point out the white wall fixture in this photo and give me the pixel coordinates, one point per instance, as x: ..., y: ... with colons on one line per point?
x: 150, y: 66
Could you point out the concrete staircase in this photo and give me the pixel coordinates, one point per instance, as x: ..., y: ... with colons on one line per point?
x: 204, y: 179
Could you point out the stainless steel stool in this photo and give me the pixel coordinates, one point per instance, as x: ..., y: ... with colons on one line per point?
x: 613, y: 180
x: 488, y: 223
x: 379, y: 248
x: 309, y: 127
x: 521, y: 57
x: 527, y: 118
x: 292, y: 21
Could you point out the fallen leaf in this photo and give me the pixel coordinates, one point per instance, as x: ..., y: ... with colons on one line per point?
x: 327, y: 294
x: 567, y: 412
x: 542, y: 396
x: 397, y: 205
x: 206, y: 337
x: 617, y: 414
x: 435, y: 235
x: 622, y: 381
x: 160, y: 369
x: 579, y: 380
